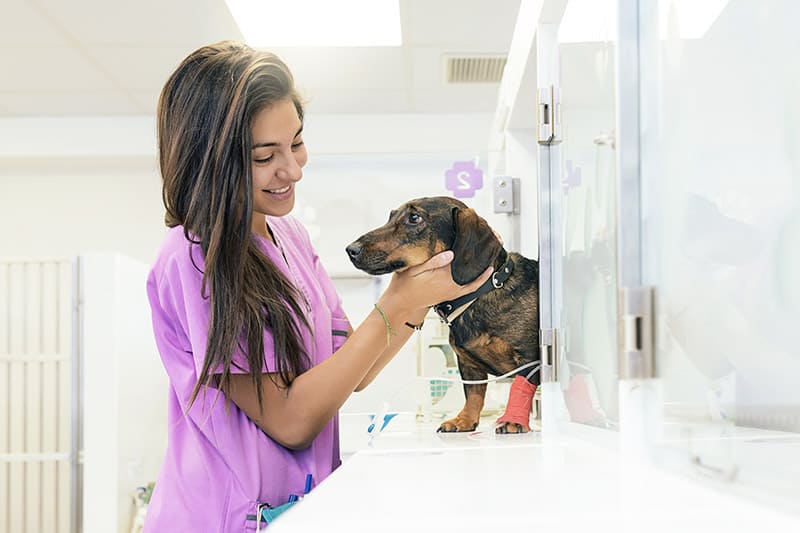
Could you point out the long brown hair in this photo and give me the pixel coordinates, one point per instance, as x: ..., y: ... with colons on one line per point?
x: 205, y: 114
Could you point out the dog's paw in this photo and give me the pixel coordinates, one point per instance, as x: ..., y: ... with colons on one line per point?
x: 509, y: 427
x: 458, y: 424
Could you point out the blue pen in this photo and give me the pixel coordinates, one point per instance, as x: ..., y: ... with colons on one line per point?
x: 308, y: 484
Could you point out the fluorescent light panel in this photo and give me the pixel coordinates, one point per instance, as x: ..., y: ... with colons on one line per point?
x: 270, y: 23
x: 596, y: 20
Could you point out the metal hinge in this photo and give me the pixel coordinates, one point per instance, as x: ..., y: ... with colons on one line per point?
x: 548, y: 120
x: 548, y: 346
x: 506, y: 194
x: 636, y: 333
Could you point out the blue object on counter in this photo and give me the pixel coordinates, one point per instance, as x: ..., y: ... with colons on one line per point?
x: 386, y: 419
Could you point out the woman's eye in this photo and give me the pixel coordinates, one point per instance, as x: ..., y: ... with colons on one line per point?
x: 262, y: 161
x: 297, y: 145
x: 414, y: 218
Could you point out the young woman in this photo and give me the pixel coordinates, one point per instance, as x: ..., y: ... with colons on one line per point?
x: 259, y: 352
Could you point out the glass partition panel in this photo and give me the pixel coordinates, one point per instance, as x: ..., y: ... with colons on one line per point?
x: 589, y: 315
x: 721, y: 232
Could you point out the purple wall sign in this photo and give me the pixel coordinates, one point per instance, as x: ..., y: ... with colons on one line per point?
x: 463, y: 179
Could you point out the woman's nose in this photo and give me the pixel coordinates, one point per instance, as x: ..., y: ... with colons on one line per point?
x: 291, y: 170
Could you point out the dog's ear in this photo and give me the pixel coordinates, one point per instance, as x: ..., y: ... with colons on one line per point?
x: 475, y: 246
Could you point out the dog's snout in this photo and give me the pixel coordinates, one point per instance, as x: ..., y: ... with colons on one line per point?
x: 354, y: 250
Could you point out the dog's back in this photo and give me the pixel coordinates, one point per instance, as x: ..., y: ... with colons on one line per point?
x: 500, y: 330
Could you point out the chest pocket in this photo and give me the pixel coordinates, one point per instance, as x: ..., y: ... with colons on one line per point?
x: 339, y: 329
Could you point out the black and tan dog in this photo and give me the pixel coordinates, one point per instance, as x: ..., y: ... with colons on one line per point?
x: 493, y: 333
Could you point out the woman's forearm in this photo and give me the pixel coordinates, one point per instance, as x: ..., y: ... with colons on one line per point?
x: 399, y: 339
x: 294, y: 415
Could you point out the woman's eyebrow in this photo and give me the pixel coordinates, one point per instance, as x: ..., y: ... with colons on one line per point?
x: 268, y: 144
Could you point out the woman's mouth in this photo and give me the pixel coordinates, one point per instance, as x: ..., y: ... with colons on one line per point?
x: 280, y: 194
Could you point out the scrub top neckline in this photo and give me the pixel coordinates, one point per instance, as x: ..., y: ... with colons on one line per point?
x: 275, y: 245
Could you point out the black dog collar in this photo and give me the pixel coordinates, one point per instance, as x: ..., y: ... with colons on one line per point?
x: 446, y: 309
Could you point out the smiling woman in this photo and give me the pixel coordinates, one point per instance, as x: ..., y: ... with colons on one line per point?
x: 243, y: 310
x: 279, y: 155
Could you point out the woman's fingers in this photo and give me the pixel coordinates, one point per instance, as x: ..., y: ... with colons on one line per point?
x: 437, y: 261
x: 431, y: 282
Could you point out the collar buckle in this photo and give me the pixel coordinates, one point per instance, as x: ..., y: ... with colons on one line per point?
x: 496, y: 282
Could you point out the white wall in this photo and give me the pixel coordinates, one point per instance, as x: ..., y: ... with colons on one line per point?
x: 70, y: 186
x: 124, y: 390
x: 66, y: 206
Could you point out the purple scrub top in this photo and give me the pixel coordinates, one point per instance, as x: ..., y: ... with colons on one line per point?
x: 219, y: 466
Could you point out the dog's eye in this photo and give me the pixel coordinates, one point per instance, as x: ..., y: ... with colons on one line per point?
x: 414, y: 218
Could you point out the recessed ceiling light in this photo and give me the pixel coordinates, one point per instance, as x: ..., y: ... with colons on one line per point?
x: 267, y: 23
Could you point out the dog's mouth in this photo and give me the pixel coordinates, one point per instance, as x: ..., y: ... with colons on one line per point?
x: 376, y: 266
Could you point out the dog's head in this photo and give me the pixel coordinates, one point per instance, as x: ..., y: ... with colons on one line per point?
x: 420, y: 229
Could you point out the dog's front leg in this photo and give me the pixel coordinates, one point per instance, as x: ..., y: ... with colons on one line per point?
x: 468, y: 418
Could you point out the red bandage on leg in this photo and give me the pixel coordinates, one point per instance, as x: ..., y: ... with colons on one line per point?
x: 518, y: 409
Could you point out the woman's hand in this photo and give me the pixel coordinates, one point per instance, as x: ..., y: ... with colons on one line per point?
x: 429, y: 284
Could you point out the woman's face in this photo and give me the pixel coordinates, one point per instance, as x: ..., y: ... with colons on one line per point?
x: 277, y: 158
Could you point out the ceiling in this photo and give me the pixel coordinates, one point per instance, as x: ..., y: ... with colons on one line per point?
x: 111, y: 58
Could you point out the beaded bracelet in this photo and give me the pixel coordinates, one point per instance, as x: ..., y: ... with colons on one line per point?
x: 389, y: 331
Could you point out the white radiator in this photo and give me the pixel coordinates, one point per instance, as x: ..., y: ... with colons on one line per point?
x: 39, y: 396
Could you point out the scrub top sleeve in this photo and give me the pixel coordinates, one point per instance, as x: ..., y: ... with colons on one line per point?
x: 181, y: 291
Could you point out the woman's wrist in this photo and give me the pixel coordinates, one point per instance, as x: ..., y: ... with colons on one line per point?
x: 417, y: 319
x: 391, y: 308
x: 396, y: 318
x: 397, y: 310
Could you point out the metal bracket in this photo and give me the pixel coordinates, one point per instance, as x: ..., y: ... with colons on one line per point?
x: 548, y: 346
x: 548, y: 119
x: 506, y: 194
x: 636, y: 333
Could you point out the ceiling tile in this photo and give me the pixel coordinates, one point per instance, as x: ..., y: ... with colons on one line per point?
x: 485, y: 24
x: 121, y: 53
x: 144, y: 22
x: 22, y: 25
x: 49, y: 69
x: 137, y: 68
x: 338, y: 67
x: 83, y: 103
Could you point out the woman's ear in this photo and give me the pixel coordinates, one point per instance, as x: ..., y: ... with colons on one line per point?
x: 475, y: 247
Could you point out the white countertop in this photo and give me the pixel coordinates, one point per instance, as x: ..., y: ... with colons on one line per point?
x: 411, y: 478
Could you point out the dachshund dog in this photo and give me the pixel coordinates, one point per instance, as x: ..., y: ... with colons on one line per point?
x: 494, y: 333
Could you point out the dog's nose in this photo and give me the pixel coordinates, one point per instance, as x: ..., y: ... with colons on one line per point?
x: 354, y: 250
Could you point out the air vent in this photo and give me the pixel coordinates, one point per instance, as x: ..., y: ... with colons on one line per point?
x: 474, y: 69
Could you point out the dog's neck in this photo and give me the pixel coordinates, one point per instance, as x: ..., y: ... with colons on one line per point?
x: 500, y: 260
x: 503, y: 268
